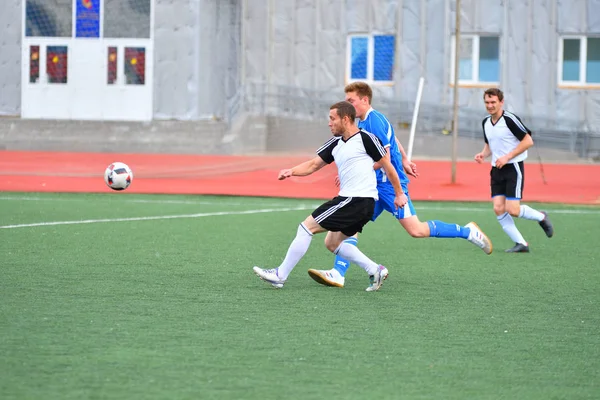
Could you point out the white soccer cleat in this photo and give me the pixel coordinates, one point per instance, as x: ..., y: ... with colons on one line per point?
x: 384, y: 274
x: 479, y: 239
x: 377, y: 279
x: 329, y: 277
x: 270, y: 276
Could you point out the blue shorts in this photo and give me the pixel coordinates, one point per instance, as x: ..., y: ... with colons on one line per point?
x: 386, y: 202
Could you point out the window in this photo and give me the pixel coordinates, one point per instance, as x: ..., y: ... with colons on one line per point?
x: 135, y: 65
x: 34, y: 64
x: 579, y: 60
x: 57, y: 61
x: 371, y: 58
x: 48, y: 20
x: 479, y: 59
x: 112, y: 65
x: 127, y: 18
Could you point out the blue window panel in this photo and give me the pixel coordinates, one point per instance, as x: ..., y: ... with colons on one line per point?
x: 571, y: 59
x: 489, y: 59
x: 593, y: 61
x: 383, y: 60
x: 465, y: 69
x: 47, y: 20
x: 358, y: 57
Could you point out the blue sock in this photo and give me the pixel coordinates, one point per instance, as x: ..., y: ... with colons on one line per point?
x: 441, y: 229
x: 341, y: 264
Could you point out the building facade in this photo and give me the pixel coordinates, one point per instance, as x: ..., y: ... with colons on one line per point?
x: 544, y: 54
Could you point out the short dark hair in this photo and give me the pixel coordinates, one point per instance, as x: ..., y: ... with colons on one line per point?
x: 344, y: 109
x: 494, y: 92
x: 362, y: 89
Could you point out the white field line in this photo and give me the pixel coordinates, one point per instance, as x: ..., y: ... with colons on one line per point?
x: 124, y: 199
x: 199, y: 215
x: 303, y: 206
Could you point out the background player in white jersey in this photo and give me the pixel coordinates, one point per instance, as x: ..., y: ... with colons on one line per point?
x: 354, y: 152
x: 360, y: 95
x: 507, y: 140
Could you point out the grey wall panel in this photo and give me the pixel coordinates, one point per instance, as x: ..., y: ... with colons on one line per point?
x: 281, y: 51
x: 10, y: 57
x: 541, y: 81
x: 593, y: 16
x: 592, y: 105
x: 331, y: 59
x: 490, y: 16
x: 176, y: 54
x: 213, y: 69
x: 197, y: 60
x: 357, y: 15
x: 437, y: 72
x: 330, y: 71
x: 468, y: 15
x: 571, y: 16
x: 305, y: 44
x: 383, y: 14
x: 410, y: 50
x: 515, y: 62
x: 255, y: 31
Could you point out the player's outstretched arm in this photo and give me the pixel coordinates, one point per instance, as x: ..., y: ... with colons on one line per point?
x: 304, y: 169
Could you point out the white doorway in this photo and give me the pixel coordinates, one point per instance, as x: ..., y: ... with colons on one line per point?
x: 85, y: 76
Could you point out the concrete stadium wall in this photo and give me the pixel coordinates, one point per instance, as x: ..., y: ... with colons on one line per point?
x: 250, y: 134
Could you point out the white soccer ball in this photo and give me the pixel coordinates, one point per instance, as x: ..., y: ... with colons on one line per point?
x: 118, y: 176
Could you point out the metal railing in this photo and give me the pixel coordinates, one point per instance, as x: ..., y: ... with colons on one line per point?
x: 258, y: 98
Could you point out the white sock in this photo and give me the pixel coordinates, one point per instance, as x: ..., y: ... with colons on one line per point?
x: 295, y: 252
x: 527, y: 212
x: 353, y: 254
x: 508, y: 224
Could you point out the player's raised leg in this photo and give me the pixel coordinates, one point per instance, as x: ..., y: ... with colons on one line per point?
x: 435, y: 228
x: 507, y: 222
x: 277, y: 276
x: 518, y: 210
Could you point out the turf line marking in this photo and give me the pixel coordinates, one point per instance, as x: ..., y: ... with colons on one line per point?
x: 149, y: 201
x: 582, y: 211
x: 199, y: 215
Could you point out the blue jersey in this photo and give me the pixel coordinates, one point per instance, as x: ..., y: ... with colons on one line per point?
x: 377, y: 124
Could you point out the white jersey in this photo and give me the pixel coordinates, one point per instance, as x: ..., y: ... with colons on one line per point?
x: 504, y: 136
x: 354, y: 159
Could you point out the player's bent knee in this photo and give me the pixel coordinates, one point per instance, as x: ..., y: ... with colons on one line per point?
x: 418, y: 233
x: 332, y: 242
x: 499, y: 210
x: 416, y: 230
x: 514, y: 211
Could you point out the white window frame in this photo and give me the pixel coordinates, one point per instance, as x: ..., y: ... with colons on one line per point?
x: 582, y: 61
x: 474, y: 59
x: 370, y: 57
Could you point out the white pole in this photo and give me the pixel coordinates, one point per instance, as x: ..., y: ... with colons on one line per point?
x: 413, y: 125
x: 455, y: 108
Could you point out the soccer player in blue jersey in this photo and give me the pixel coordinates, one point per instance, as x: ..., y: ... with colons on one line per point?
x: 359, y: 94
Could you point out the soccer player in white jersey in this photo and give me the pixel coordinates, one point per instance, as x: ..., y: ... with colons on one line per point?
x: 360, y: 95
x: 507, y: 140
x: 354, y: 152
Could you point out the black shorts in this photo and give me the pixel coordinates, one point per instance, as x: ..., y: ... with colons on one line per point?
x: 508, y: 181
x: 345, y: 214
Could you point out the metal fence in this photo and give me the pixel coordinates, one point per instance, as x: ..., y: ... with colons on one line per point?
x: 305, y: 104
